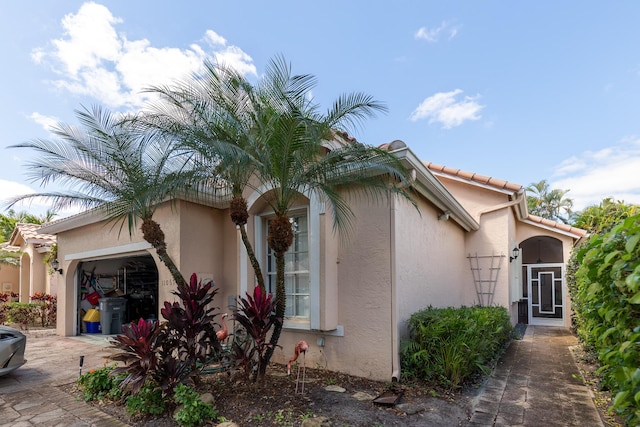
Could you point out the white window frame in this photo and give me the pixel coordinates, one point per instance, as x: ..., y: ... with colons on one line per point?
x: 270, y: 276
x: 313, y: 211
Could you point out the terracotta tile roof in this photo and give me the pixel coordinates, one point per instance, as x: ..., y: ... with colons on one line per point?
x: 558, y: 225
x: 30, y: 232
x: 472, y: 176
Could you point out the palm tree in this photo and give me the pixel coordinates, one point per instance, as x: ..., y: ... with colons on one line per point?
x: 549, y: 203
x: 110, y: 166
x: 270, y: 137
x: 211, y: 114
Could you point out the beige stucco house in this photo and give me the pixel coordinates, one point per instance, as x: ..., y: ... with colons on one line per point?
x: 9, y: 274
x: 348, y: 298
x: 33, y: 275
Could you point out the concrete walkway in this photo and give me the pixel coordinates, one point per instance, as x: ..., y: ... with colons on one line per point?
x: 29, y: 396
x: 533, y: 385
x: 537, y: 383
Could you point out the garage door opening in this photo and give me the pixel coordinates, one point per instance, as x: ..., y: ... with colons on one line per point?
x: 127, y: 287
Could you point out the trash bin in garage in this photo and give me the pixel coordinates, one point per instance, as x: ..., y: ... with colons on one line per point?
x: 112, y: 311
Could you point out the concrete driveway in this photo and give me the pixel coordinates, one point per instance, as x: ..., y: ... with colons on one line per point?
x: 29, y: 396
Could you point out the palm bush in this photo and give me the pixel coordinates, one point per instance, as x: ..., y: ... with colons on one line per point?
x: 449, y: 347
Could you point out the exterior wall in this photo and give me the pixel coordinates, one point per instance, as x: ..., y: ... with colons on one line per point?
x: 361, y: 345
x: 526, y: 231
x: 196, y: 240
x: 474, y: 198
x: 430, y: 265
x: 9, y: 279
x: 496, y: 236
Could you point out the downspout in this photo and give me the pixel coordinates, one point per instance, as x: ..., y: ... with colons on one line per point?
x: 519, y: 197
x: 395, y: 349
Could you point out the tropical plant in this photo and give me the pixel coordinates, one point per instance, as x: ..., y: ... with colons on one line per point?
x: 549, y: 203
x: 607, y: 306
x: 169, y: 353
x: 269, y: 137
x: 602, y: 217
x: 108, y: 165
x: 139, y: 343
x: 9, y: 221
x: 257, y: 315
x: 190, y: 332
x: 449, y: 347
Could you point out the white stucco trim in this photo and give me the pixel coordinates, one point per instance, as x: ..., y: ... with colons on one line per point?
x: 105, y: 252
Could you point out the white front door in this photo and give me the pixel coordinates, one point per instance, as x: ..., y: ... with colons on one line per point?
x: 545, y: 285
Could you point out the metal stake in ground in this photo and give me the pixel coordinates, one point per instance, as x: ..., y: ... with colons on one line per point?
x: 301, y: 347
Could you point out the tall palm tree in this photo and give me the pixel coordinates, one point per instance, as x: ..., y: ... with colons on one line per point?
x: 270, y: 137
x: 212, y: 114
x: 107, y: 164
x: 549, y: 203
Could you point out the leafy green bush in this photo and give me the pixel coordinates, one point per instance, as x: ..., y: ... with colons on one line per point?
x: 148, y: 401
x: 98, y: 384
x: 194, y: 412
x: 40, y: 312
x: 448, y: 347
x: 607, y: 305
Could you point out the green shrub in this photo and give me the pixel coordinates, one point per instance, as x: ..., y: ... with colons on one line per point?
x: 194, y: 412
x: 98, y: 384
x: 148, y: 401
x: 40, y: 312
x: 23, y: 313
x: 607, y: 304
x: 449, y: 347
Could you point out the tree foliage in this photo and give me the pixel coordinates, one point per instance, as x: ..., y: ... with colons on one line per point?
x: 107, y: 164
x: 549, y: 203
x: 602, y: 217
x: 8, y: 222
x: 606, y: 302
x: 270, y: 137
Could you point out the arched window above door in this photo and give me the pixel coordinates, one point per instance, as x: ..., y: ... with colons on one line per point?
x: 541, y: 250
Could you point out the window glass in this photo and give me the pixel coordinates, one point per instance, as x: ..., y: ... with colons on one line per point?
x: 296, y: 270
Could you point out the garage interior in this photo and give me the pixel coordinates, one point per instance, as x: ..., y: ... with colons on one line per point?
x: 132, y: 278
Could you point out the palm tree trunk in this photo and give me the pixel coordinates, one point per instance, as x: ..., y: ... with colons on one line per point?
x: 252, y: 258
x: 152, y: 233
x: 281, y: 307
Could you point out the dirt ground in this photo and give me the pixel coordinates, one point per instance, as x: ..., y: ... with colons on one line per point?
x: 276, y: 403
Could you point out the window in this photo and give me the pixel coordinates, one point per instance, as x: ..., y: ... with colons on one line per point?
x: 297, y: 284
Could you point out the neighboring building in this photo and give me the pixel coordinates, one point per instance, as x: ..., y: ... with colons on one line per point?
x: 34, y: 274
x: 9, y: 274
x: 350, y: 299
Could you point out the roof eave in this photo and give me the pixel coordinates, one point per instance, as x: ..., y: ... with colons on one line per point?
x: 433, y: 190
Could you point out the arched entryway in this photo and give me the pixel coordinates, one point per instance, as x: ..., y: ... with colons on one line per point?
x: 543, y: 280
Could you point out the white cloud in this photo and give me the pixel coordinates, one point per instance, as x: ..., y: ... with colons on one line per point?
x: 432, y: 35
x: 46, y: 122
x: 594, y: 175
x: 93, y: 59
x: 444, y: 108
x: 36, y: 206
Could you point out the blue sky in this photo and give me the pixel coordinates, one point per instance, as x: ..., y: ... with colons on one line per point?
x: 521, y: 91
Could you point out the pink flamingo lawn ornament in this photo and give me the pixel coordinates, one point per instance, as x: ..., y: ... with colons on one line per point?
x: 223, y: 333
x: 301, y: 347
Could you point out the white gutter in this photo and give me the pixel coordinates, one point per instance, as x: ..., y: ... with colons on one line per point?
x: 517, y: 200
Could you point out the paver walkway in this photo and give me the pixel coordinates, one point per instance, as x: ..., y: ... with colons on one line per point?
x: 29, y: 395
x: 537, y: 383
